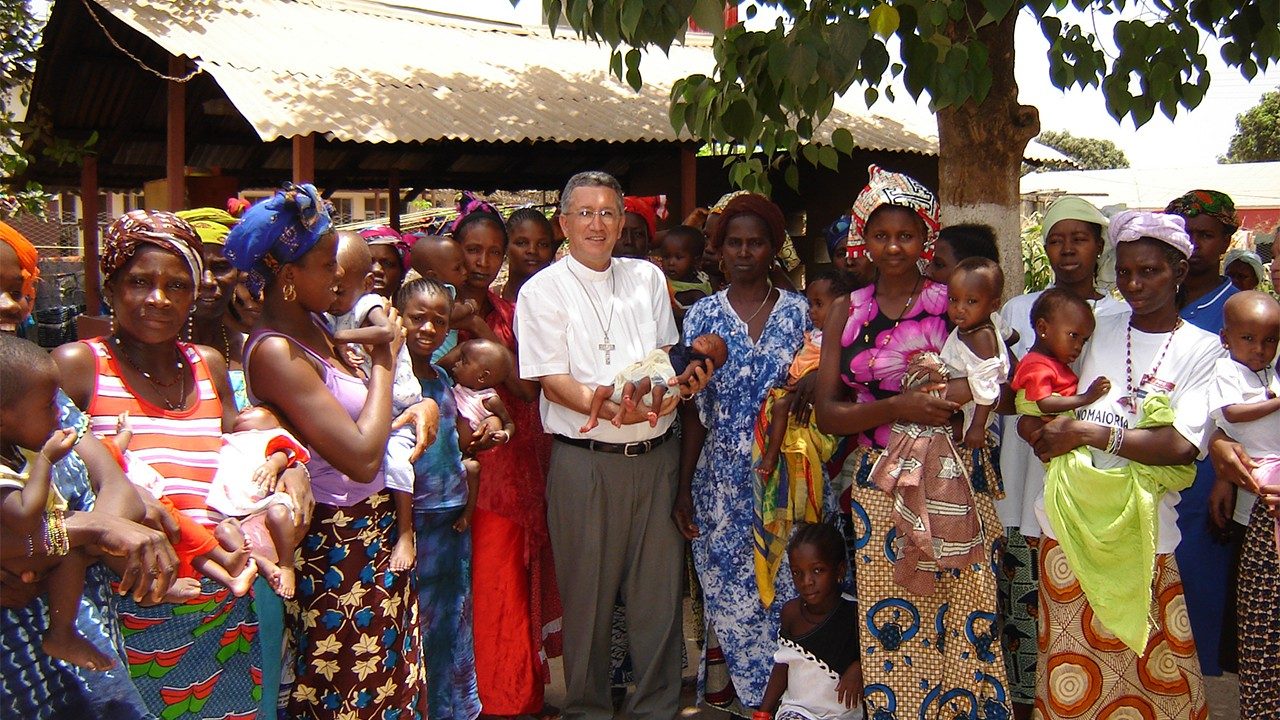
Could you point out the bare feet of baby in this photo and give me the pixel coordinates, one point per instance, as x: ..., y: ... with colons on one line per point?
x: 767, y: 465
x: 240, y: 584
x: 286, y: 583
x: 69, y: 646
x: 403, y: 552
x: 182, y: 590
x: 232, y: 539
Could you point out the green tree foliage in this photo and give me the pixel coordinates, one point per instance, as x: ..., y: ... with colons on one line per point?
x: 773, y: 87
x: 1087, y: 153
x: 1257, y: 137
x: 18, y: 44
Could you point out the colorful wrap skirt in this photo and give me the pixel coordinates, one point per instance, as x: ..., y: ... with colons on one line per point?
x: 356, y: 622
x: 1086, y: 672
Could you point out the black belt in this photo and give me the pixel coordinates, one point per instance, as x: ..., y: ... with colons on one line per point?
x: 631, y: 449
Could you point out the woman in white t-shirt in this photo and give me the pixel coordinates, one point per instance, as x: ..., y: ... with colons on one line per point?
x: 1073, y: 239
x: 1083, y: 669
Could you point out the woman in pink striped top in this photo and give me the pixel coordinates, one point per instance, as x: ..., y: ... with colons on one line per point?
x: 199, y: 656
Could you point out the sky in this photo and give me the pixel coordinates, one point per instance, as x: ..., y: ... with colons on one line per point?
x: 1195, y: 137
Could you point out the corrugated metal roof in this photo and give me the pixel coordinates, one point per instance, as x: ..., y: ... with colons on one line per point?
x: 1250, y: 185
x: 364, y: 70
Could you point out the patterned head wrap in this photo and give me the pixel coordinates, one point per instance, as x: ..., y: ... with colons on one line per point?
x: 891, y: 188
x: 759, y: 206
x: 211, y: 224
x: 723, y: 202
x: 383, y: 235
x: 649, y: 207
x: 1131, y: 225
x: 1246, y: 256
x: 28, y: 258
x: 467, y: 204
x: 154, y: 227
x: 1217, y: 205
x: 838, y: 232
x: 276, y: 231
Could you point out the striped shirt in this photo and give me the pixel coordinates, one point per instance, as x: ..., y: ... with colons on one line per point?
x: 181, y: 445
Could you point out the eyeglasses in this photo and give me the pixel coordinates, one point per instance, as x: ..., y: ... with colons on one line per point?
x: 607, y: 216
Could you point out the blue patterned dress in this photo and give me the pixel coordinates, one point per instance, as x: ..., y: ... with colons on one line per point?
x: 722, y: 485
x: 33, y: 685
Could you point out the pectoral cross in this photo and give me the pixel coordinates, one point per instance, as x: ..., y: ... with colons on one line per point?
x: 607, y: 348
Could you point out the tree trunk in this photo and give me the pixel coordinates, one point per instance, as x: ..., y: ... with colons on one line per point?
x: 981, y: 148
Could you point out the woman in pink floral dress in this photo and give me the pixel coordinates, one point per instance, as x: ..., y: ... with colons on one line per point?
x: 934, y: 655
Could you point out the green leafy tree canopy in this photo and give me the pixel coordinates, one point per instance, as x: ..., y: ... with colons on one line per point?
x: 1257, y: 137
x: 1087, y: 153
x: 773, y: 87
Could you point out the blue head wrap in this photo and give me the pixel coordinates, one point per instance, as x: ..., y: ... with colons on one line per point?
x: 838, y: 232
x: 276, y: 231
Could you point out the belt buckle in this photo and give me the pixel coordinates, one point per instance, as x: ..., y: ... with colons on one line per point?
x: 639, y: 446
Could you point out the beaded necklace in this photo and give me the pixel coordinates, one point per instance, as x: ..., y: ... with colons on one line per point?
x: 160, y: 388
x: 1130, y: 399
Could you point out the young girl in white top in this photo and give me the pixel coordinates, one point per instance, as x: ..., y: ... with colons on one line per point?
x: 817, y: 671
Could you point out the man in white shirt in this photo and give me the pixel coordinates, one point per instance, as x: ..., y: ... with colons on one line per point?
x: 609, y: 491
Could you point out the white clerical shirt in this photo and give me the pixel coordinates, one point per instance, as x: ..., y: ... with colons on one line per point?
x: 562, y: 316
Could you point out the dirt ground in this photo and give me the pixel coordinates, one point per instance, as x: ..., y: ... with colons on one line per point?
x: 1224, y: 692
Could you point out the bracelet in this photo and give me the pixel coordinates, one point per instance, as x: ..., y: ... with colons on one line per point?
x: 761, y: 715
x: 1114, y: 439
x: 31, y: 546
x: 56, y: 540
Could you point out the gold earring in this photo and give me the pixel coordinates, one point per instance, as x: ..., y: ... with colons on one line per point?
x: 289, y: 292
x: 191, y: 326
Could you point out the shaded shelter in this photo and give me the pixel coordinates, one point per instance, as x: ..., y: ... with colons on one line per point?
x: 215, y: 96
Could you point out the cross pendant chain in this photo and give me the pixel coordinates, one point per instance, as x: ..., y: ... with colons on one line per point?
x: 607, y: 348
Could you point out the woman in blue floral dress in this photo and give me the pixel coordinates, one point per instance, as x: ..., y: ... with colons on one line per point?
x: 764, y: 328
x: 933, y: 655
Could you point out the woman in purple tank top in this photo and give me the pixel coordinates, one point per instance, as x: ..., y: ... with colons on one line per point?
x: 346, y: 592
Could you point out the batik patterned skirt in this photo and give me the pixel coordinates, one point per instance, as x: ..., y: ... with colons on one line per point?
x: 1086, y: 672
x: 924, y: 655
x: 356, y: 622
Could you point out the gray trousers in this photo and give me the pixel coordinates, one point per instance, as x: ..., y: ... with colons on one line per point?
x: 611, y: 530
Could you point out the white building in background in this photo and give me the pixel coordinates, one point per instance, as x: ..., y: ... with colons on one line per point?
x: 1255, y: 188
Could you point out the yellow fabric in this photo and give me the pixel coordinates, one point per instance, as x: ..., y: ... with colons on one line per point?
x: 211, y: 224
x: 12, y: 480
x: 1023, y: 406
x: 791, y: 495
x: 1106, y: 522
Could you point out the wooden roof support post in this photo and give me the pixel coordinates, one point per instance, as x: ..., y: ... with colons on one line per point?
x: 688, y: 180
x: 89, y: 227
x: 176, y: 147
x: 393, y: 199
x: 304, y: 158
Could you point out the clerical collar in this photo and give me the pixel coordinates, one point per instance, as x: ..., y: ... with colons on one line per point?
x: 585, y: 273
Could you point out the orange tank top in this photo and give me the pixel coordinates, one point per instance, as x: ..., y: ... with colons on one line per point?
x: 182, y: 445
